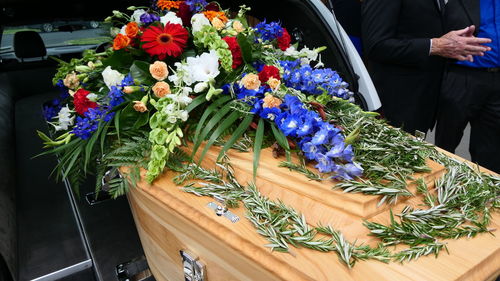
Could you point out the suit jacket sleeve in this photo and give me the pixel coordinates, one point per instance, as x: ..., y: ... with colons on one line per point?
x: 379, y: 30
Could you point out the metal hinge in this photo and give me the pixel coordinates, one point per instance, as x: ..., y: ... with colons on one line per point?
x: 222, y: 210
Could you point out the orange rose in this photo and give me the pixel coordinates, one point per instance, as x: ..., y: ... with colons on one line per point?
x: 121, y: 41
x: 139, y: 106
x: 271, y: 102
x: 251, y: 81
x: 161, y: 89
x: 132, y: 29
x: 158, y: 70
x: 273, y: 83
x: 217, y: 23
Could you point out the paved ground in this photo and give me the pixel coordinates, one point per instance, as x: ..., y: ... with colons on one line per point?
x: 462, y: 149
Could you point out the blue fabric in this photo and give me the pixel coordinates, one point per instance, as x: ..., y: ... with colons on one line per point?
x: 356, y: 41
x: 490, y: 28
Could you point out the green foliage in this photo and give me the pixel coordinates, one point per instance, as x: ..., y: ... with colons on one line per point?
x: 140, y: 72
x: 257, y: 146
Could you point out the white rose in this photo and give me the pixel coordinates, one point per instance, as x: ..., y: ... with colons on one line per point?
x: 200, y: 87
x: 171, y: 18
x: 136, y: 16
x: 198, y: 21
x: 112, y: 77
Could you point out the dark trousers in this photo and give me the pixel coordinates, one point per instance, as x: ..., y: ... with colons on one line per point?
x: 471, y: 96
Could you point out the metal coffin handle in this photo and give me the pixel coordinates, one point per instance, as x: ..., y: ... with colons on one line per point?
x: 194, y: 270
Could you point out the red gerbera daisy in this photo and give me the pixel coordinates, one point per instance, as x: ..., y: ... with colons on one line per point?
x: 162, y: 41
x: 81, y: 102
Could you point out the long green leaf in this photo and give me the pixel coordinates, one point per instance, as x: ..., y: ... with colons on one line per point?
x: 211, y: 108
x: 236, y: 135
x: 257, y: 146
x: 90, y: 145
x: 69, y: 166
x: 103, y: 137
x: 282, y: 141
x: 117, y: 124
x: 209, y: 126
x: 217, y: 132
x: 196, y: 102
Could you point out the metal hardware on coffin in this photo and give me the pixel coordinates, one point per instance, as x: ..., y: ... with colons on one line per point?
x: 194, y: 270
x: 222, y: 210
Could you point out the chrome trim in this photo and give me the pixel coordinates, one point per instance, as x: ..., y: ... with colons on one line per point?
x: 64, y: 272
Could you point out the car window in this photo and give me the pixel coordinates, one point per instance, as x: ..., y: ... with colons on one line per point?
x: 57, y: 34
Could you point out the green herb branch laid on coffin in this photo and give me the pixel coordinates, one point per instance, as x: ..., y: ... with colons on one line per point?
x: 190, y: 72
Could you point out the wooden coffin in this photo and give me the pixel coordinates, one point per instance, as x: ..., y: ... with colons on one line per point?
x: 169, y: 220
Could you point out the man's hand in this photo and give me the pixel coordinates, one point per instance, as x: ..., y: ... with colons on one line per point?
x: 460, y: 45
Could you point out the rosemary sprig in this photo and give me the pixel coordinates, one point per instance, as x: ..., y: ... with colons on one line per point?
x: 302, y: 169
x: 415, y: 252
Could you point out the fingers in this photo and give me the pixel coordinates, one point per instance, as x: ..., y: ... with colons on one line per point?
x: 464, y: 58
x: 476, y: 49
x: 471, y: 31
x: 476, y: 40
x: 462, y: 32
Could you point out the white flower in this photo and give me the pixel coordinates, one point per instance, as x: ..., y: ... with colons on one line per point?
x: 204, y: 67
x: 171, y: 18
x: 65, y: 119
x: 92, y: 97
x: 182, y: 97
x: 178, y: 76
x: 183, y: 115
x: 112, y: 77
x: 198, y: 21
x: 291, y: 52
x: 200, y: 87
x: 136, y: 16
x: 305, y: 55
x: 113, y: 31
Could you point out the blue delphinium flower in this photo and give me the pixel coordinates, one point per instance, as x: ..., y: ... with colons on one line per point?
x: 290, y: 125
x: 270, y: 113
x: 347, y: 171
x: 127, y: 81
x: 268, y: 31
x: 52, y: 108
x: 196, y: 5
x: 88, y: 124
x: 318, y: 140
x: 325, y: 164
x: 314, y: 81
x: 115, y: 96
x: 148, y: 18
x: 310, y: 150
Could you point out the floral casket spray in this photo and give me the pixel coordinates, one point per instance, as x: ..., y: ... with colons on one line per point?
x: 190, y: 95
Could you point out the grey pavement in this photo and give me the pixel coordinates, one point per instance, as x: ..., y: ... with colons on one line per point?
x: 462, y: 149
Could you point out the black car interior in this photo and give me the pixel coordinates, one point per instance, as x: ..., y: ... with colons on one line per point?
x: 45, y: 229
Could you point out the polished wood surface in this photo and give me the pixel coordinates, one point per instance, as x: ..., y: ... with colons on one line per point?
x: 169, y: 220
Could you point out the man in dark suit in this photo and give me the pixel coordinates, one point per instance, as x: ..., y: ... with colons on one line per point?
x: 471, y: 89
x: 405, y: 45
